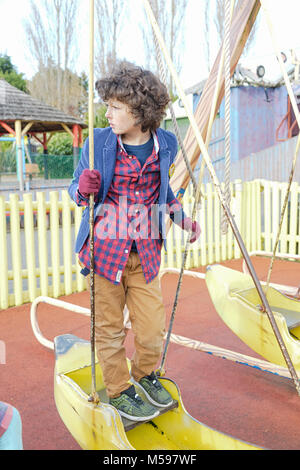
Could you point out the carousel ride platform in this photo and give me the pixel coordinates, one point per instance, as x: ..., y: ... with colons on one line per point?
x: 236, y: 398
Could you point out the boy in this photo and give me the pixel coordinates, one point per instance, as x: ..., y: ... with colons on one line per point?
x: 130, y: 182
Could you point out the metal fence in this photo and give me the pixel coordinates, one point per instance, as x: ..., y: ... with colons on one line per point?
x: 273, y: 163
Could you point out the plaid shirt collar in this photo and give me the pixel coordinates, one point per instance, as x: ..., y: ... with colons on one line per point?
x: 155, y: 139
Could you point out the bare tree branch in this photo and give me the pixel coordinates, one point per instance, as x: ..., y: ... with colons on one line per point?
x: 109, y: 24
x: 170, y: 15
x: 51, y: 34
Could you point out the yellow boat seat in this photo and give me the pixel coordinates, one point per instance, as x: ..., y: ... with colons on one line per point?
x: 292, y: 317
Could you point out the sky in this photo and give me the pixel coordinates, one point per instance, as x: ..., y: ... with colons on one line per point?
x: 284, y: 14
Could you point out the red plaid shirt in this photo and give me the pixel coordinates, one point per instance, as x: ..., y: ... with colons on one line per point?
x: 125, y: 216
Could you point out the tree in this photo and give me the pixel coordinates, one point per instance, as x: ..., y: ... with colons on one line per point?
x: 51, y: 34
x: 170, y: 15
x: 9, y: 72
x: 43, y: 86
x: 109, y: 23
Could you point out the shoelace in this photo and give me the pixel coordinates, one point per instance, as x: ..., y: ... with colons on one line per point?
x: 138, y: 399
x: 133, y: 396
x: 152, y: 378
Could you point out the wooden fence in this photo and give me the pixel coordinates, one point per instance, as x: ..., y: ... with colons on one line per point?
x: 37, y: 237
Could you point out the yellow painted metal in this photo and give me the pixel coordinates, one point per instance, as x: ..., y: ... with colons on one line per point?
x: 236, y: 205
x: 3, y: 251
x: 284, y: 228
x: 55, y: 244
x: 67, y: 241
x: 238, y: 304
x: 100, y: 426
x: 30, y: 245
x: 16, y: 248
x: 294, y: 209
x: 42, y: 240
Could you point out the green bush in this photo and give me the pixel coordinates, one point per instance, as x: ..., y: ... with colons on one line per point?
x: 8, y: 162
x: 61, y: 144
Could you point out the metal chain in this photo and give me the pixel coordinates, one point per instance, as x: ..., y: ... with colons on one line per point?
x: 197, y: 195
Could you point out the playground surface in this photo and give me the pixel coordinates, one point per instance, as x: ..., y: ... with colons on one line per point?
x: 256, y: 406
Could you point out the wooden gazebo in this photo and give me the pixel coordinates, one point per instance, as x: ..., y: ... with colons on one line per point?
x: 21, y: 115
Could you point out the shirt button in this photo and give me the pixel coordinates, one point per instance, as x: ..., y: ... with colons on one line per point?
x: 126, y: 251
x: 137, y: 193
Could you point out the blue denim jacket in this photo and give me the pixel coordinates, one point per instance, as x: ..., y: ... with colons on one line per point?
x: 105, y: 144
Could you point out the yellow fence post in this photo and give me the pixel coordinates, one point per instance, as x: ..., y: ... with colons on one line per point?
x: 283, y: 245
x: 55, y: 242
x: 209, y: 221
x: 267, y: 216
x: 16, y: 248
x: 42, y: 240
x: 217, y: 213
x: 203, y: 225
x: 30, y: 245
x: 3, y: 251
x: 293, y: 217
x: 67, y: 241
x: 238, y: 215
x: 230, y: 237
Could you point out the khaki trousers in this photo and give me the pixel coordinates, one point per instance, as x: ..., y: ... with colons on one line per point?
x: 147, y: 316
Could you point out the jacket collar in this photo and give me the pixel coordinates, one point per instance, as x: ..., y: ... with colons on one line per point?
x: 160, y: 143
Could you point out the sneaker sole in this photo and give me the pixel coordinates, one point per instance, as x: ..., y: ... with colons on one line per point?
x: 136, y: 418
x: 156, y: 403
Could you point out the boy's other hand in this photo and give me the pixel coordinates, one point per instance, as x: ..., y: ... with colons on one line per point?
x: 188, y: 225
x: 89, y: 182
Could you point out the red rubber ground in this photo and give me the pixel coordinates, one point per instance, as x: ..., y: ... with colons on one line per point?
x: 258, y: 407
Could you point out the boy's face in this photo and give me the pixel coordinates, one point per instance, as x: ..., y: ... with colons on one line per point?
x: 120, y: 118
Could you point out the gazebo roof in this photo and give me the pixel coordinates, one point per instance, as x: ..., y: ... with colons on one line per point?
x: 17, y: 105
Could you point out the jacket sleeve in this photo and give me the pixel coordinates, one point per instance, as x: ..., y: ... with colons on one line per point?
x: 176, y: 211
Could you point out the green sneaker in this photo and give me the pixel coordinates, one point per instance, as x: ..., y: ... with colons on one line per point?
x: 130, y: 405
x: 154, y: 391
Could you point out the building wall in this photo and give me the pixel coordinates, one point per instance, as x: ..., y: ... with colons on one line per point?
x: 256, y: 113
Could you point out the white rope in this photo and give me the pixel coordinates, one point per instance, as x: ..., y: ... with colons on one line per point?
x: 163, y: 76
x: 224, y: 224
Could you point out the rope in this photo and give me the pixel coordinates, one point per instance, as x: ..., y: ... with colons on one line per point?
x: 197, y: 194
x: 224, y: 223
x: 94, y: 396
x: 162, y: 73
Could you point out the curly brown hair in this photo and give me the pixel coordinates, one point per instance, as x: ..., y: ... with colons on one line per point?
x: 146, y: 96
